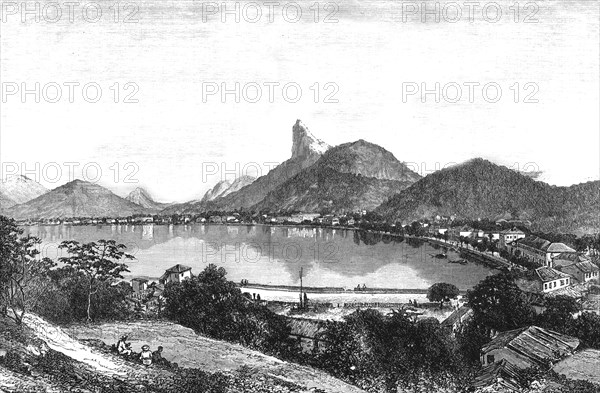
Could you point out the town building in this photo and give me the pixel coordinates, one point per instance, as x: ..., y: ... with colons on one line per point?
x: 528, y: 347
x: 456, y: 233
x: 510, y: 235
x: 581, y: 271
x: 139, y: 285
x: 457, y: 320
x: 177, y: 273
x: 543, y: 280
x: 538, y: 250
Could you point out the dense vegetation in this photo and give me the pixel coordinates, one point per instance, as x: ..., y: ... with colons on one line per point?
x: 215, y: 307
x: 481, y: 189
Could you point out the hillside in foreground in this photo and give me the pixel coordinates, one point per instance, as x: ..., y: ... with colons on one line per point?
x: 46, y: 358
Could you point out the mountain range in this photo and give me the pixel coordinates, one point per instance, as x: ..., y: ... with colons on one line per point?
x: 17, y: 189
x: 225, y: 187
x: 77, y: 198
x: 141, y: 197
x: 351, y: 176
x: 356, y: 175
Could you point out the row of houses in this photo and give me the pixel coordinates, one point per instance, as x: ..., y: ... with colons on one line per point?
x: 465, y: 231
x: 560, y: 266
x: 506, y: 357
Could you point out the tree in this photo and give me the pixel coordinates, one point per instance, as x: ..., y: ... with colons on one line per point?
x: 470, y: 339
x: 21, y: 269
x: 559, y: 312
x: 378, y: 352
x: 214, y: 306
x: 587, y: 328
x: 98, y: 263
x: 499, y: 304
x: 441, y: 292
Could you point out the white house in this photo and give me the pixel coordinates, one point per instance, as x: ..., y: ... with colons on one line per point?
x: 543, y: 280
x: 510, y: 235
x: 177, y: 273
x: 538, y: 250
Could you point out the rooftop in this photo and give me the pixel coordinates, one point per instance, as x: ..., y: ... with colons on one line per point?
x: 457, y: 316
x: 178, y: 269
x: 580, y: 267
x: 568, y: 258
x: 534, y: 242
x: 533, y: 346
x: 502, y: 373
x: 546, y: 274
x: 513, y: 231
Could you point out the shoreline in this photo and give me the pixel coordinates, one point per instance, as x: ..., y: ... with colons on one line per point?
x: 336, y: 290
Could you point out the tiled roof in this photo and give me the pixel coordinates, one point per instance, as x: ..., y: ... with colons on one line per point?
x: 572, y: 292
x: 533, y: 345
x: 178, y: 269
x: 559, y: 247
x: 457, y: 316
x: 534, y: 242
x: 567, y: 258
x: 513, y: 231
x: 583, y: 267
x: 502, y: 373
x: 546, y: 273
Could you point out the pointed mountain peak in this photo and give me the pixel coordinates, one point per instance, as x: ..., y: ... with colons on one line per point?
x: 139, y: 193
x: 141, y: 197
x: 305, y: 143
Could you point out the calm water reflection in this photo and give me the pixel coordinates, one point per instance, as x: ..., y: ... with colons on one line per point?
x: 274, y: 255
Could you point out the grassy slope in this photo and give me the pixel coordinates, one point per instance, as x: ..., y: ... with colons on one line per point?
x: 42, y: 357
x: 183, y: 346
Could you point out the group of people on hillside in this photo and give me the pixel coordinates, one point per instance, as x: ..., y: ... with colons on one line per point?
x: 146, y: 357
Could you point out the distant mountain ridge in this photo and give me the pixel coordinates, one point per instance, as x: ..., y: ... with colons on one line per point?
x: 77, y: 198
x: 481, y: 189
x: 141, y: 197
x: 225, y: 187
x: 351, y: 176
x: 18, y: 189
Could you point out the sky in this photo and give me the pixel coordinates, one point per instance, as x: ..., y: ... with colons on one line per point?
x: 160, y: 124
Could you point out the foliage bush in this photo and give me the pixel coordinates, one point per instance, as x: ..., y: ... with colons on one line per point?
x: 215, y: 307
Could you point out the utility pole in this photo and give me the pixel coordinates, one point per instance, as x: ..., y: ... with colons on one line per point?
x: 301, y: 305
